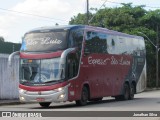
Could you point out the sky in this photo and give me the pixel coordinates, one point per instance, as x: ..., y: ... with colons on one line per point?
x: 19, y: 16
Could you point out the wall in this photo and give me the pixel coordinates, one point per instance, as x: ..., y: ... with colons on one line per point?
x: 9, y: 77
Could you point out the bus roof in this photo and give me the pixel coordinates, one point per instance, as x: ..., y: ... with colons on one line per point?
x: 67, y: 27
x: 56, y: 27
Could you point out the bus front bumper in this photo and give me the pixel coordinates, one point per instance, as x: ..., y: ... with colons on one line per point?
x: 57, y: 95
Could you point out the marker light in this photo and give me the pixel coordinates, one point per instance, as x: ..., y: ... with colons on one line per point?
x: 30, y: 61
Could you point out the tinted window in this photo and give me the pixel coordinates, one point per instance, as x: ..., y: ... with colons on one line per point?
x: 76, y: 38
x: 112, y: 44
x: 73, y: 59
x: 95, y: 42
x: 44, y: 41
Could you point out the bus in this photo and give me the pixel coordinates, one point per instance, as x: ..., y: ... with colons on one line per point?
x: 80, y: 63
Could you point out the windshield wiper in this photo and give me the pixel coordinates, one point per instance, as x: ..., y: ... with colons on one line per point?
x: 24, y: 81
x: 51, y: 81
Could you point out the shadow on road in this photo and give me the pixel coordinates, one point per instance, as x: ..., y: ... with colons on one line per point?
x: 73, y: 105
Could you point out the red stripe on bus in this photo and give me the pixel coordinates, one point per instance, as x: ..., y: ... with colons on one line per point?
x: 41, y: 55
x: 42, y: 88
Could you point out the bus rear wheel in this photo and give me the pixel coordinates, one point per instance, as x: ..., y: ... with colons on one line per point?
x: 126, y: 93
x: 84, y: 97
x: 132, y: 91
x: 45, y: 104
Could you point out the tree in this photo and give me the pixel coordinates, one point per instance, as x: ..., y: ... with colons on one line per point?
x: 1, y: 39
x: 131, y: 20
x: 7, y: 47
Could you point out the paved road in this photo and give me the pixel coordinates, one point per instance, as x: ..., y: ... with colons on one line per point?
x: 146, y: 101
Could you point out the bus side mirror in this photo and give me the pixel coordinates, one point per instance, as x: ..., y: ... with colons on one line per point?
x: 11, y: 56
x: 86, y: 52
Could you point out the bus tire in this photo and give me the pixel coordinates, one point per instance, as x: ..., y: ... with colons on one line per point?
x: 84, y: 97
x: 45, y: 104
x: 132, y: 91
x: 126, y: 92
x: 125, y: 95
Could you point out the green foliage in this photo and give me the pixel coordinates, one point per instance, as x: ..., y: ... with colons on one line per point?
x: 81, y: 19
x: 131, y: 20
x: 1, y: 39
x: 8, y: 47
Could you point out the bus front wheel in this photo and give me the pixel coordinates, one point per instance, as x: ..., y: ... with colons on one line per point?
x: 84, y: 97
x: 45, y: 104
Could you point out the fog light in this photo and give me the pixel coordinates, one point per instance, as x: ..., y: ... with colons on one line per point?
x: 62, y: 96
x: 22, y: 98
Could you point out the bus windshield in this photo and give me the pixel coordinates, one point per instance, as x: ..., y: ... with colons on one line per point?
x: 44, y: 41
x: 40, y: 71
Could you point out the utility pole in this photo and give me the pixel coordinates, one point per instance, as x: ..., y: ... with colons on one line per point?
x: 95, y: 14
x: 87, y: 20
x: 157, y: 65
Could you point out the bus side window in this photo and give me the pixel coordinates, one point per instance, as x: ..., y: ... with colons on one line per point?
x: 72, y: 65
x: 112, y: 44
x: 95, y: 43
x: 76, y: 38
x: 75, y: 41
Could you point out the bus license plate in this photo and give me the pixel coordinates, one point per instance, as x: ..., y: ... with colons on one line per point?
x: 40, y: 99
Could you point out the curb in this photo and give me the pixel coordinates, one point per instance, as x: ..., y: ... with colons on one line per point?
x: 151, y: 89
x: 10, y: 102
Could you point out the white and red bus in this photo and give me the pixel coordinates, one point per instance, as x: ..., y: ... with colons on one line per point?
x: 80, y: 63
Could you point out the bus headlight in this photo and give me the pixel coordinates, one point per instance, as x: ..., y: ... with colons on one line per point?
x: 22, y: 91
x: 59, y: 89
